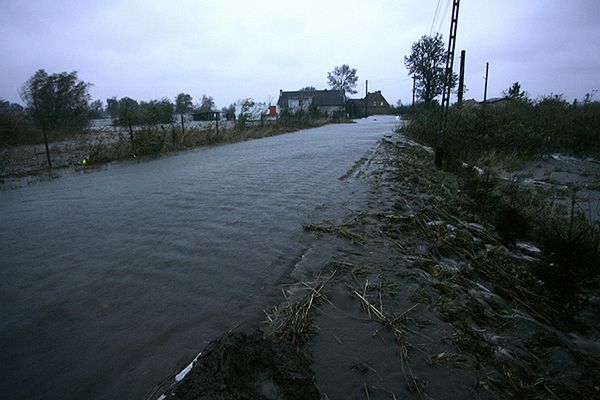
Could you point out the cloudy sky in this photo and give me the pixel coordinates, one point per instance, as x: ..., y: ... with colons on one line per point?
x: 234, y: 49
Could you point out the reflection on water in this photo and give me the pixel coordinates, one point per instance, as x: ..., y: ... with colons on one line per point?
x: 111, y: 280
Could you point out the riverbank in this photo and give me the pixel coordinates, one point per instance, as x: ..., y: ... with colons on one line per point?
x: 28, y: 163
x: 421, y: 297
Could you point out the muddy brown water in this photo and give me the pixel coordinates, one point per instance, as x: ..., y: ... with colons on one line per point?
x: 113, y: 279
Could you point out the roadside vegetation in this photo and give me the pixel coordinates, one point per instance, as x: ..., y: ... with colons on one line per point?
x: 162, y: 139
x: 481, y: 141
x: 515, y: 126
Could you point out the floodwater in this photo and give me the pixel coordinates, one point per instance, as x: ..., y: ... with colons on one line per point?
x: 113, y: 279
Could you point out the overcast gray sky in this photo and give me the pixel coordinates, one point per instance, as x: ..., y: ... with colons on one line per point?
x: 234, y: 49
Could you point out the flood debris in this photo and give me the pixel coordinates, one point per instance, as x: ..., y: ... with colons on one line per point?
x: 293, y: 320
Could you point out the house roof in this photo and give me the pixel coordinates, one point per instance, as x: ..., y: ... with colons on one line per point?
x: 378, y: 97
x: 471, y: 103
x: 495, y: 100
x: 319, y: 97
x: 372, y: 96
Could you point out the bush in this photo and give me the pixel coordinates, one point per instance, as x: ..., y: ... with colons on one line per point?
x: 149, y: 140
x: 572, y: 248
x: 570, y: 241
x: 514, y: 126
x: 15, y: 126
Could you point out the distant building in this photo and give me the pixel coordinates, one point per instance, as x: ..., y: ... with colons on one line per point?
x: 493, y: 102
x: 206, y: 116
x: 471, y: 103
x: 375, y: 104
x: 331, y: 103
x: 497, y: 101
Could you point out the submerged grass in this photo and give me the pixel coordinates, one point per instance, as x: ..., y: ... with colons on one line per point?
x: 86, y: 149
x: 155, y: 140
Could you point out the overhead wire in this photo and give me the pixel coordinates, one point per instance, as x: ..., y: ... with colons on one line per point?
x: 437, y: 7
x: 443, y: 16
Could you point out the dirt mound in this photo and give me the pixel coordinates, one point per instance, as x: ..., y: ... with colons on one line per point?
x: 241, y: 366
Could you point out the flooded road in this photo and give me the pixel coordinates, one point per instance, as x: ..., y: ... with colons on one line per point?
x: 111, y: 280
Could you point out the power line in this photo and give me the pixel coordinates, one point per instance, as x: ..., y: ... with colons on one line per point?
x: 434, y: 17
x: 392, y: 80
x: 443, y: 16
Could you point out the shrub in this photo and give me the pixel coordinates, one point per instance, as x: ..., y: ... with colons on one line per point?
x: 15, y: 126
x: 516, y: 126
x: 149, y: 140
x: 572, y: 248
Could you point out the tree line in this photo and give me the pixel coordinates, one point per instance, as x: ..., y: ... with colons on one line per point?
x: 60, y: 104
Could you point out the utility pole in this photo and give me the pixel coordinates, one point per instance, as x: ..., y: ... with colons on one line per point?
x: 439, y: 151
x: 487, y: 70
x: 366, y: 95
x: 414, y: 89
x: 461, y: 77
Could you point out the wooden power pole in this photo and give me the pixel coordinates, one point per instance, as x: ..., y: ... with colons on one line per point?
x: 439, y: 151
x: 461, y: 77
x: 487, y: 70
x: 366, y: 95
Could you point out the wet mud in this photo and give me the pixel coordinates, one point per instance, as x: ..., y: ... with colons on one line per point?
x: 248, y: 366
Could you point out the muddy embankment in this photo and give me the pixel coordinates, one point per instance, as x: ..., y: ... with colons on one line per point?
x: 418, y: 299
